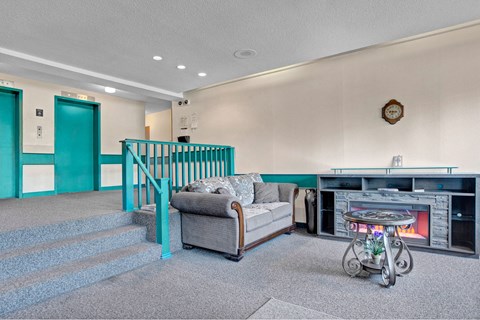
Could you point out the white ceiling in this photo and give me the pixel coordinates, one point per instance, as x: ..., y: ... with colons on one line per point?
x: 92, y: 43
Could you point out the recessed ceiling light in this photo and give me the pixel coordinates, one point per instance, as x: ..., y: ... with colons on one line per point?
x: 110, y: 90
x: 202, y: 74
x: 245, y: 53
x: 158, y: 58
x: 181, y: 67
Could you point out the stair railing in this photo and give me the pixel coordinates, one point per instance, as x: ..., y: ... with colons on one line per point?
x: 166, y: 167
x: 160, y: 187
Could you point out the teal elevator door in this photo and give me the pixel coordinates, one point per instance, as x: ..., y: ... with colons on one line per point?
x: 74, y: 147
x: 7, y: 144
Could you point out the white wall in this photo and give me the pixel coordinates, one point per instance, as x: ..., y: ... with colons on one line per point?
x: 328, y: 113
x: 120, y: 119
x: 160, y: 125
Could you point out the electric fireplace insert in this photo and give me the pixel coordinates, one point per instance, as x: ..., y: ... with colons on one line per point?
x: 418, y: 234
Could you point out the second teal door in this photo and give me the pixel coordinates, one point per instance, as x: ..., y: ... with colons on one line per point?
x: 75, y: 146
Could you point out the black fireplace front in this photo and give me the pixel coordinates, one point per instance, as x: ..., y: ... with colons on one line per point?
x: 420, y: 230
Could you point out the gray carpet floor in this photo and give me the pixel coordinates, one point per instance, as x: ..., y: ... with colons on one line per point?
x: 298, y: 270
x: 23, y: 213
x: 276, y: 309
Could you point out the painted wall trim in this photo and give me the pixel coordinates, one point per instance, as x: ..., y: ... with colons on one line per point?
x: 109, y: 188
x: 38, y: 158
x: 302, y: 180
x: 39, y: 194
x: 111, y: 159
x: 49, y: 158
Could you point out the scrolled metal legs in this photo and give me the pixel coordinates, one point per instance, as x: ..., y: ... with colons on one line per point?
x: 388, y: 270
x: 402, y: 262
x: 403, y: 258
x: 397, y: 262
x: 352, y: 265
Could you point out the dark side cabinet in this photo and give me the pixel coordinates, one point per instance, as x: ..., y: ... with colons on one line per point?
x: 447, y: 206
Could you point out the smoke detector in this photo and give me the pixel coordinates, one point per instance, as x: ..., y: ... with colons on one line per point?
x: 245, y: 53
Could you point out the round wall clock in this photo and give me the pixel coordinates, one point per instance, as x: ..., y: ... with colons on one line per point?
x: 393, y: 111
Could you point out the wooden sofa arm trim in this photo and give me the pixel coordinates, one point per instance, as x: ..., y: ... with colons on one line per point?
x: 295, y: 196
x: 241, y: 225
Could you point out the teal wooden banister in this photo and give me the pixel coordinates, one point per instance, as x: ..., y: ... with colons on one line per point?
x: 180, y: 164
x: 160, y: 187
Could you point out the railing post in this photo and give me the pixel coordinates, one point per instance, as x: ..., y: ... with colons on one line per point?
x: 147, y: 181
x: 231, y: 161
x: 139, y: 177
x: 162, y: 220
x: 127, y: 177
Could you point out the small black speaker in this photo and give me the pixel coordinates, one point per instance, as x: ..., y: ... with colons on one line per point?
x: 185, y: 139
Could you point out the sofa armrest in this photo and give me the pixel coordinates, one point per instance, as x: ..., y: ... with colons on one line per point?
x: 209, y: 204
x: 288, y: 192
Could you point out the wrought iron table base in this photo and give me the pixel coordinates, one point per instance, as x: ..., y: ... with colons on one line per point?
x: 390, y: 266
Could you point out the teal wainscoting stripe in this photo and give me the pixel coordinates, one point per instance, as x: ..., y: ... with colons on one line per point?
x: 302, y: 180
x: 111, y: 159
x: 38, y: 158
x: 110, y: 188
x: 39, y: 194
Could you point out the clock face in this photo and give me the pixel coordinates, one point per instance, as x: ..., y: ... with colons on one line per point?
x: 393, y: 111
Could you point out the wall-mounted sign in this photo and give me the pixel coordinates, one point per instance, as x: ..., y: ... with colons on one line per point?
x: 39, y: 112
x: 77, y: 96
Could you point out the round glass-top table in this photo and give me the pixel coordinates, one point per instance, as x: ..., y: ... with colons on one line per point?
x: 381, y: 228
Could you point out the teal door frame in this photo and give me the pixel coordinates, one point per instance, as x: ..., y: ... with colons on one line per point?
x: 18, y: 134
x: 96, y: 137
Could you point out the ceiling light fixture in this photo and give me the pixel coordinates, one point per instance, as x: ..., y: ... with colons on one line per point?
x: 157, y: 58
x: 110, y: 90
x: 202, y: 74
x: 181, y: 67
x: 245, y: 53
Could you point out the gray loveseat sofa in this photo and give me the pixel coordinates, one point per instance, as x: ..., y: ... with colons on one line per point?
x: 234, y: 214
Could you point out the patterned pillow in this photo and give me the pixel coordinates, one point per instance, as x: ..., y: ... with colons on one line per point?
x: 243, y: 186
x: 210, y: 185
x: 222, y: 190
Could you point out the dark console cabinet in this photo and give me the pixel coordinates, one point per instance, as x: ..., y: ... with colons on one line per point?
x: 447, y: 206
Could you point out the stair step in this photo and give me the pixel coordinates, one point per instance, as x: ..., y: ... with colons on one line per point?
x: 35, y: 235
x: 17, y: 262
x: 38, y: 286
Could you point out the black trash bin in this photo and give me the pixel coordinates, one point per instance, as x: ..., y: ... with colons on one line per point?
x: 311, y: 210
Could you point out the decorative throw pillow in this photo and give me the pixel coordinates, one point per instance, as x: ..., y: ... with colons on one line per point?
x: 255, y: 176
x: 209, y: 185
x: 222, y: 191
x: 266, y: 192
x: 243, y: 186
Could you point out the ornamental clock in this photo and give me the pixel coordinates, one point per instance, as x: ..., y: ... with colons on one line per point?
x: 393, y: 111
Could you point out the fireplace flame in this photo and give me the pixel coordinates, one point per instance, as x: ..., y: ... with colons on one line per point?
x: 409, y: 233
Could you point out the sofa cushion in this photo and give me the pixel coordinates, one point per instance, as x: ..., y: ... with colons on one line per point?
x: 265, y: 192
x: 210, y: 185
x: 279, y: 209
x: 256, y: 218
x: 243, y: 186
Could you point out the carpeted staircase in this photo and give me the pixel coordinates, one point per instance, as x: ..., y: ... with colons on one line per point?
x: 42, y: 262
